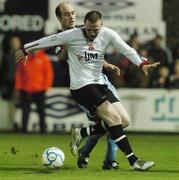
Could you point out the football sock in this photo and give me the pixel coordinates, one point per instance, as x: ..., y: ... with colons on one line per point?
x: 117, y: 134
x: 92, y: 130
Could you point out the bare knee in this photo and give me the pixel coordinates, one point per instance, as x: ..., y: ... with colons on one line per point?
x: 108, y: 113
x: 111, y: 119
x: 126, y: 121
x: 123, y: 114
x: 114, y: 120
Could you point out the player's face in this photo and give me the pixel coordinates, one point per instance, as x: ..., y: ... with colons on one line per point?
x: 15, y: 43
x: 92, y: 29
x: 68, y: 17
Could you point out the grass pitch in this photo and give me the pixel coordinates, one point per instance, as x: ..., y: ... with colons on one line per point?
x: 20, y: 158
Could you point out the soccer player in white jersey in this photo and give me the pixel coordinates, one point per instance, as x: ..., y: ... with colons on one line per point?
x: 67, y: 17
x: 86, y: 48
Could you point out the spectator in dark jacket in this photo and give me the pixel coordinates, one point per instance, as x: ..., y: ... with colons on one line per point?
x: 8, y: 68
x: 175, y: 76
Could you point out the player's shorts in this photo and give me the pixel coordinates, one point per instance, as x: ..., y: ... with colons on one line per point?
x: 93, y: 95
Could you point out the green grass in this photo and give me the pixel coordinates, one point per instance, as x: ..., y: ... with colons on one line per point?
x: 20, y: 158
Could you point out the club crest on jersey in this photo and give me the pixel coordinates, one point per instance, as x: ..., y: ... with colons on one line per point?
x: 90, y: 46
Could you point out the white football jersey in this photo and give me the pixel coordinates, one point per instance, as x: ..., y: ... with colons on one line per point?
x: 86, y: 58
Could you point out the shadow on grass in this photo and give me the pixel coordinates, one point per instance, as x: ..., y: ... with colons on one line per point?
x: 152, y: 171
x: 27, y: 170
x: 168, y: 171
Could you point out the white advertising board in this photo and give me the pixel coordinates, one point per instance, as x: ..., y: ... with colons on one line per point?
x: 150, y: 111
x: 7, y: 111
x: 62, y: 113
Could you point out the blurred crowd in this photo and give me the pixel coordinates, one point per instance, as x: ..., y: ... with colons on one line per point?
x: 165, y: 76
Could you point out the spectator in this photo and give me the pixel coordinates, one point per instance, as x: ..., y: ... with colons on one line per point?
x: 175, y: 51
x: 175, y: 76
x: 32, y: 81
x: 162, y: 80
x: 8, y: 68
x: 143, y: 81
x: 129, y: 69
x: 134, y: 41
x: 7, y: 74
x: 159, y: 53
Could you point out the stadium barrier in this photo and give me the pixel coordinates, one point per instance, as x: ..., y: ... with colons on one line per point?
x: 149, y: 109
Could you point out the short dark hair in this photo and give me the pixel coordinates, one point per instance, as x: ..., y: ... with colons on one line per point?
x: 57, y: 11
x: 93, y: 16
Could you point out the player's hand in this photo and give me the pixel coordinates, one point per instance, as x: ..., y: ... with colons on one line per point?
x: 116, y: 71
x: 62, y: 53
x: 111, y: 68
x: 146, y: 67
x: 19, y: 55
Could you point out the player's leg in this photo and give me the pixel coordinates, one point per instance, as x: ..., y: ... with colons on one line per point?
x: 110, y: 157
x: 112, y: 118
x: 123, y: 113
x: 78, y: 134
x: 105, y: 110
x: 82, y: 97
x: 89, y: 106
x: 114, y: 98
x: 85, y: 150
x: 100, y: 128
x: 108, y: 113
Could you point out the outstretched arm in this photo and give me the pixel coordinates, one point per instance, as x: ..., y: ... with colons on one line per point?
x: 49, y: 41
x: 131, y: 53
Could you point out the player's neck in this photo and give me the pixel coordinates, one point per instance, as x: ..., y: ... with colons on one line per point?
x: 64, y: 28
x: 86, y: 36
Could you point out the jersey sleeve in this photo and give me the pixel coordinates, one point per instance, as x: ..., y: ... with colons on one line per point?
x: 62, y: 38
x: 124, y: 48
